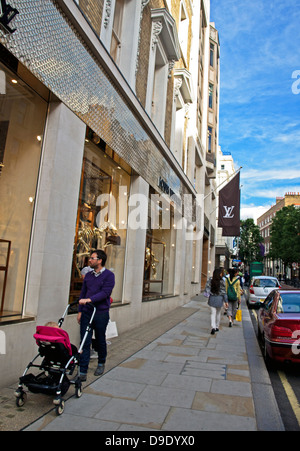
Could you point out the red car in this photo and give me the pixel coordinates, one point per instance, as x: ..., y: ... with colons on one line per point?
x: 279, y: 326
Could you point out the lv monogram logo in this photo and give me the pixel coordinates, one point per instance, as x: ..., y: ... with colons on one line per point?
x: 229, y: 212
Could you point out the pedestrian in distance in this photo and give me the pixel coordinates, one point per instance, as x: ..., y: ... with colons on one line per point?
x: 96, y: 291
x: 85, y: 270
x: 216, y: 292
x: 233, y: 290
x: 225, y: 275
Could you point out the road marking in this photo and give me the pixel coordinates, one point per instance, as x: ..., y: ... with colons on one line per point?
x: 254, y: 314
x: 291, y: 395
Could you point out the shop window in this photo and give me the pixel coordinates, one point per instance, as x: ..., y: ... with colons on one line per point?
x: 22, y: 122
x: 160, y: 249
x: 102, y: 213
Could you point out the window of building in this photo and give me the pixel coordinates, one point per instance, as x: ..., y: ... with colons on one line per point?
x: 212, y: 55
x: 117, y: 31
x: 210, y: 133
x: 164, y: 52
x: 22, y: 121
x: 102, y: 213
x: 183, y: 30
x: 211, y: 95
x: 159, y: 96
x: 183, y: 97
x: 120, y: 33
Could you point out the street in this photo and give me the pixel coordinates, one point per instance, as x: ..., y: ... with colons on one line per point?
x: 285, y: 382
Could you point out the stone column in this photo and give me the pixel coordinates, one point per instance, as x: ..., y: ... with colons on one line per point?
x: 55, y: 215
x: 135, y: 248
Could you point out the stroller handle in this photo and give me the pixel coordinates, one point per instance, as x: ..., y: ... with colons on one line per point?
x: 61, y: 320
x: 72, y: 304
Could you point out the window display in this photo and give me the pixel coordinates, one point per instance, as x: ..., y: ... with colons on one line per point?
x: 22, y: 121
x: 100, y: 224
x: 160, y: 249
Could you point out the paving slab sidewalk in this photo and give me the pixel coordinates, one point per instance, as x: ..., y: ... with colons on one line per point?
x: 172, y: 375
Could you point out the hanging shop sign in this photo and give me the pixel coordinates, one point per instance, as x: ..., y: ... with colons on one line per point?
x: 7, y: 14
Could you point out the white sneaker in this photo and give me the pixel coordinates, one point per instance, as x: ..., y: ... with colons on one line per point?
x: 94, y: 354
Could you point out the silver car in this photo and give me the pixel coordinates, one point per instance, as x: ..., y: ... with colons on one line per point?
x: 259, y: 288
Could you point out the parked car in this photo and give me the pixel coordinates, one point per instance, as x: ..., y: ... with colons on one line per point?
x: 279, y: 326
x: 259, y: 288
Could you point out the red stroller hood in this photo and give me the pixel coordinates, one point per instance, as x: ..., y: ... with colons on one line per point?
x: 53, y: 335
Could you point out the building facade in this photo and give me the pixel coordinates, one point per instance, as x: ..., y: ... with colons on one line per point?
x: 264, y: 222
x: 104, y: 144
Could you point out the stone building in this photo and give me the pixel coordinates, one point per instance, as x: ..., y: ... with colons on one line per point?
x: 105, y: 112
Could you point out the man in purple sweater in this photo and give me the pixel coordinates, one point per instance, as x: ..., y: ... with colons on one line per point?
x: 96, y: 290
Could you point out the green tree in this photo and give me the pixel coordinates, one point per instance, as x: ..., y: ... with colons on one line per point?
x: 285, y: 235
x: 250, y: 242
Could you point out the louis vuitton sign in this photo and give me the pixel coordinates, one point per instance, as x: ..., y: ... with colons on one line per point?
x: 229, y: 208
x: 7, y: 15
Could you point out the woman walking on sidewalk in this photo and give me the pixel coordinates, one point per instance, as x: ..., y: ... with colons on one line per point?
x: 233, y: 290
x: 216, y: 292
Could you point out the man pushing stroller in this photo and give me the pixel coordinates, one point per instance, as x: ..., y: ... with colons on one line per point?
x: 59, y: 356
x: 96, y: 291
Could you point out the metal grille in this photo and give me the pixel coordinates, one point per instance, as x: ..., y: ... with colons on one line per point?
x: 50, y: 47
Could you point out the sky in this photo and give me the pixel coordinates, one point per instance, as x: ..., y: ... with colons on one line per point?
x: 260, y: 96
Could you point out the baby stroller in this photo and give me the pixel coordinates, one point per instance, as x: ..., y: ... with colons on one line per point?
x: 60, y: 359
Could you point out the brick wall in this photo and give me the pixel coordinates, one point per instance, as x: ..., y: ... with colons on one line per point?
x: 143, y: 60
x: 93, y: 10
x: 292, y: 199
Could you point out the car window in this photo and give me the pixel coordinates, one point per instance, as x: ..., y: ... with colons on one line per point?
x: 269, y: 301
x: 265, y: 283
x: 289, y: 303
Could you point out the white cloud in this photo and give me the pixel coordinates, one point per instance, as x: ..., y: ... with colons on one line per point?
x: 264, y: 175
x: 288, y: 138
x: 253, y: 212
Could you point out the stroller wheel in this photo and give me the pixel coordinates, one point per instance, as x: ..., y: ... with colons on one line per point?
x: 78, y: 392
x: 78, y: 388
x: 21, y: 400
x: 60, y: 408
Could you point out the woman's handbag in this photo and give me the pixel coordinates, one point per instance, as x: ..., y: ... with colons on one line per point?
x: 239, y: 315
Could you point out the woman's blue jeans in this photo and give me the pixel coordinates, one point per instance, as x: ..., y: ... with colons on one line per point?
x: 99, y: 325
